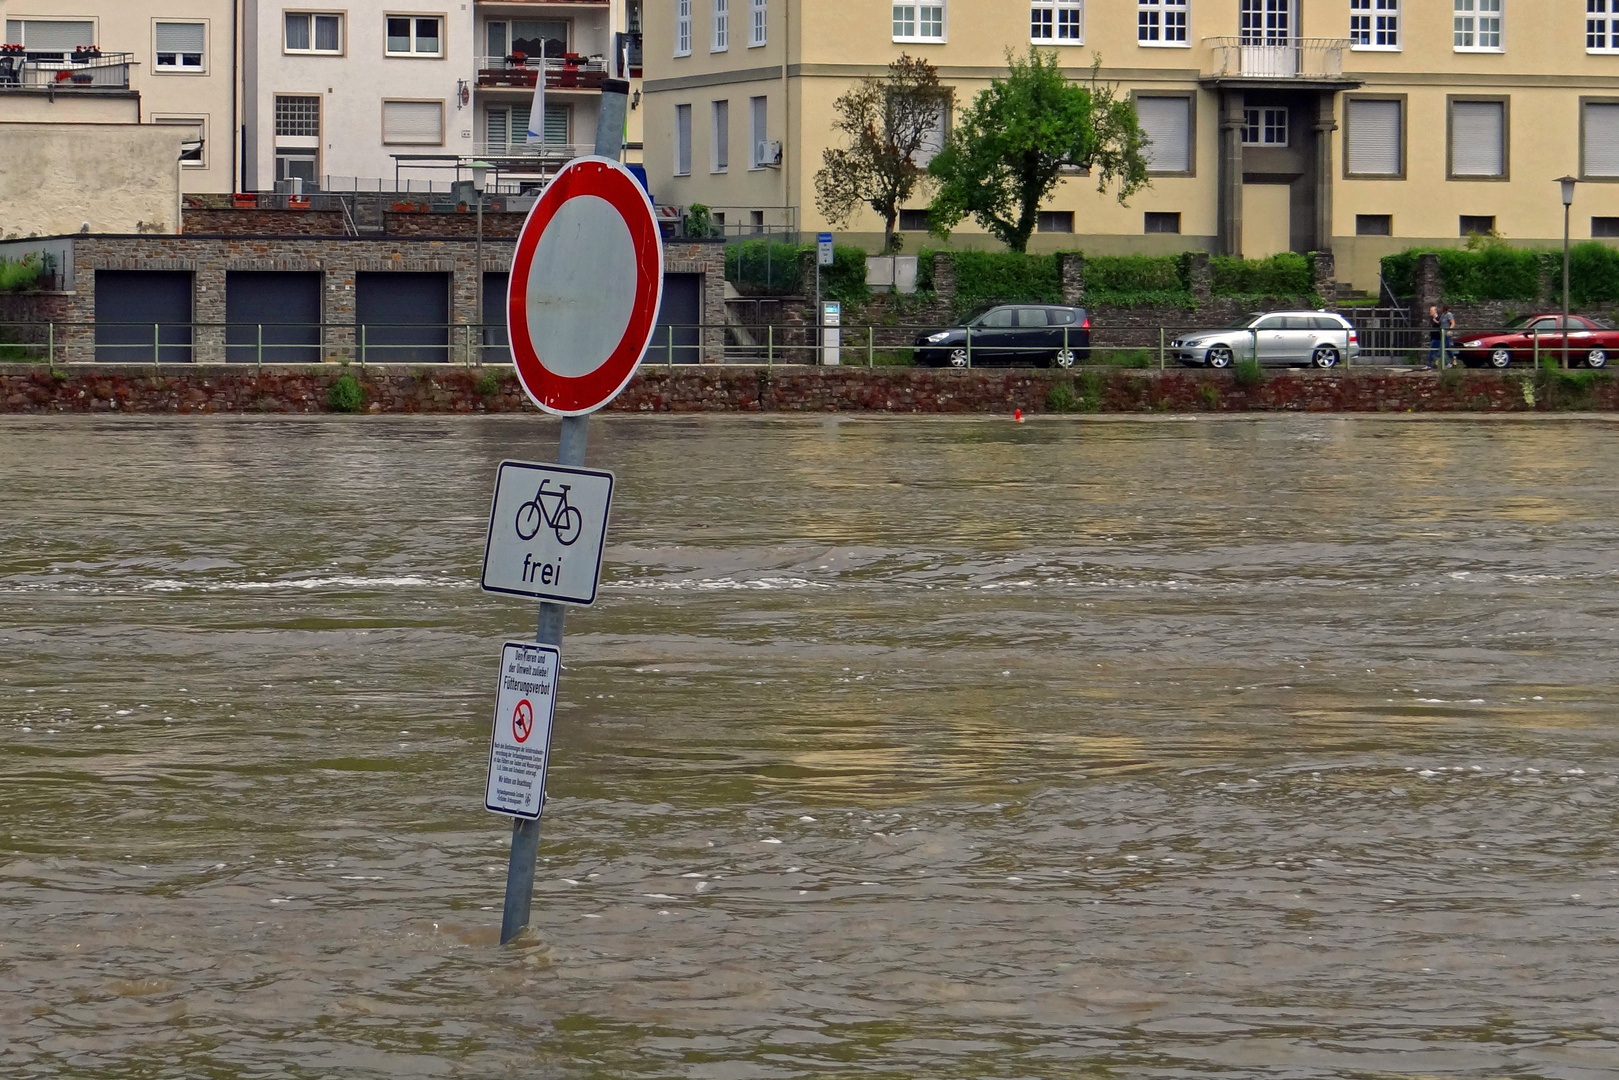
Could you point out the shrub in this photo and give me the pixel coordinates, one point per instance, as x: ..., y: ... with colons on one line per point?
x: 345, y: 395
x: 488, y: 384
x: 1061, y: 398
x: 1286, y: 274
x: 845, y: 279
x: 19, y: 274
x: 1248, y: 374
x: 768, y: 267
x: 1593, y: 274
x: 1136, y: 279
x: 985, y: 277
x: 1494, y: 272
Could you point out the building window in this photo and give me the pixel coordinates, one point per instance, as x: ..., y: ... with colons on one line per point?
x: 1478, y: 140
x: 1605, y: 227
x: 1374, y: 24
x: 413, y: 123
x: 1478, y: 25
x: 722, y: 26
x: 1599, y: 139
x: 1374, y: 224
x: 413, y: 36
x: 1060, y: 21
x: 682, y: 27
x: 1054, y: 221
x: 1167, y: 122
x: 756, y: 23
x: 1264, y: 127
x: 1161, y: 22
x: 1375, y: 139
x: 1602, y: 25
x: 682, y: 140
x: 917, y: 221
x: 194, y: 150
x: 759, y: 134
x: 180, y: 46
x: 719, y: 136
x: 309, y: 32
x: 934, y: 138
x: 297, y: 117
x: 50, y: 40
x: 1160, y: 222
x: 297, y: 137
x: 1477, y: 224
x: 1266, y: 22
x: 918, y: 22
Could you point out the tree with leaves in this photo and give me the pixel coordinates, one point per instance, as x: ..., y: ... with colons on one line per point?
x: 1012, y: 143
x: 887, y: 122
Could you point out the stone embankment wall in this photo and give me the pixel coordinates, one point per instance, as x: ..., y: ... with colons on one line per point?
x: 787, y: 389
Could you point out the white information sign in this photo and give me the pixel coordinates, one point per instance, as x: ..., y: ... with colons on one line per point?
x: 823, y: 249
x: 546, y: 531
x: 520, y: 747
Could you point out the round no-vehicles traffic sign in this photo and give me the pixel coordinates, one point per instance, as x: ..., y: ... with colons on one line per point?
x: 586, y: 280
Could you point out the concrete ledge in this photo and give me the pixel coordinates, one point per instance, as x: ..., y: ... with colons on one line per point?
x: 711, y: 388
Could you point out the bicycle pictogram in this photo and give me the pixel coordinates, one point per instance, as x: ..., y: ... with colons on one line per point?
x: 566, y: 521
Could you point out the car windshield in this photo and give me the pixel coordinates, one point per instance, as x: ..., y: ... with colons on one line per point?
x: 1522, y: 321
x: 1245, y: 321
x: 976, y: 315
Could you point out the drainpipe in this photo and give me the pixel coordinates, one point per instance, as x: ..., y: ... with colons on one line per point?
x: 786, y: 110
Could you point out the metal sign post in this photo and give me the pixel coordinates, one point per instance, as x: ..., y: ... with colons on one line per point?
x: 823, y: 257
x: 575, y: 432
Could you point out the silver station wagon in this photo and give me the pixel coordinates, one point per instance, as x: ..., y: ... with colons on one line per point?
x: 1280, y: 338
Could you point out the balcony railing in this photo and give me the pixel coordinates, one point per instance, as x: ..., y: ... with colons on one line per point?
x: 79, y: 71
x: 521, y: 73
x: 1277, y: 58
x: 546, y: 153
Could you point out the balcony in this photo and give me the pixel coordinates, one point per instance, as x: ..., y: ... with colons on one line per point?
x: 1286, y: 61
x: 519, y: 72
x: 52, y: 73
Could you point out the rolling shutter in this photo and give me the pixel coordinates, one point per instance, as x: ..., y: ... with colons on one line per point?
x: 1167, y: 121
x: 1477, y: 143
x: 682, y: 140
x: 418, y: 122
x: 1601, y: 140
x: 556, y: 123
x: 520, y: 115
x: 1374, y: 138
x: 177, y: 37
x: 49, y: 35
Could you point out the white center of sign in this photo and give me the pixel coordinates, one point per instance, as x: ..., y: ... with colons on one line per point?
x: 581, y: 289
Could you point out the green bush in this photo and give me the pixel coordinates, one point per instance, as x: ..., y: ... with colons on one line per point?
x: 488, y: 384
x: 1286, y: 274
x: 1128, y: 280
x: 769, y: 267
x: 1061, y: 398
x: 1248, y: 374
x: 19, y: 274
x: 345, y: 395
x: 845, y: 279
x: 985, y: 277
x: 1593, y: 274
x: 1495, y: 272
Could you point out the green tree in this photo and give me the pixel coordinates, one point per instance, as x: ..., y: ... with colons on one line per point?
x: 1011, y: 144
x: 886, y: 121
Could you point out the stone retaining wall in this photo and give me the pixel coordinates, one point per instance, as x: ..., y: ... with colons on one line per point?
x: 244, y: 389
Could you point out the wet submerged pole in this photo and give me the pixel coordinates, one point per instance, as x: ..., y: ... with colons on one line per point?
x: 575, y: 432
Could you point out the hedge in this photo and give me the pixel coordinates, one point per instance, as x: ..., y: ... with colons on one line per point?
x: 1286, y: 274
x: 1126, y: 280
x: 986, y: 277
x: 771, y: 268
x: 1499, y: 272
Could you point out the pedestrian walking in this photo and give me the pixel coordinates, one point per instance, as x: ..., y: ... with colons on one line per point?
x: 1434, y: 334
x: 1447, y: 325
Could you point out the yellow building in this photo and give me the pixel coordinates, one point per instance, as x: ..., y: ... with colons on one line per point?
x: 1364, y: 126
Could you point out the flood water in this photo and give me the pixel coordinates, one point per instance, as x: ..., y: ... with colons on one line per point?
x: 1273, y: 748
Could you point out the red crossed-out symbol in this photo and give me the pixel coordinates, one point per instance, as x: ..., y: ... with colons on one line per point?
x: 522, y: 721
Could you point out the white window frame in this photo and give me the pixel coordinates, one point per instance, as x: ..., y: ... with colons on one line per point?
x: 909, y: 27
x: 342, y: 39
x: 181, y: 69
x: 1381, y: 20
x: 198, y: 121
x: 1054, y: 11
x: 720, y: 41
x: 1602, y: 22
x: 682, y: 27
x: 24, y: 20
x: 682, y: 145
x: 1261, y: 119
x: 758, y: 24
x: 414, y: 17
x: 719, y: 136
x: 1153, y: 23
x: 1468, y: 14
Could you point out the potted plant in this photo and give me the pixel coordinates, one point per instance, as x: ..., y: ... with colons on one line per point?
x: 85, y: 53
x: 244, y: 200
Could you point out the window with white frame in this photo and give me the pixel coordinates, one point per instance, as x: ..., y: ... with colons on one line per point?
x: 1058, y: 21
x: 682, y: 140
x: 682, y: 27
x: 1266, y: 22
x: 1167, y: 123
x: 934, y: 138
x: 410, y: 35
x: 1264, y: 127
x: 919, y: 22
x: 1601, y: 26
x: 1375, y: 138
x: 719, y: 136
x: 180, y: 46
x: 413, y: 123
x: 1161, y: 22
x: 1374, y: 24
x: 721, y: 39
x: 193, y: 150
x: 50, y: 40
x: 313, y: 32
x: 1601, y: 139
x: 1478, y: 25
x: 756, y: 23
x: 1478, y: 139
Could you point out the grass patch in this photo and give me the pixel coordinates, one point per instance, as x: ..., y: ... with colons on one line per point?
x: 892, y: 358
x: 1210, y: 393
x: 1137, y: 359
x: 345, y: 395
x: 488, y: 384
x: 1248, y: 374
x: 1061, y: 397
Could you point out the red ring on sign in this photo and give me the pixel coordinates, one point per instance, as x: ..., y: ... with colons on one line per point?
x: 611, y: 182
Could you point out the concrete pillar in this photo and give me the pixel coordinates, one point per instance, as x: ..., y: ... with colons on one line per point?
x: 1428, y: 285
x: 1325, y: 125
x: 1230, y: 172
x: 1071, y: 272
x: 1324, y: 276
x: 944, y: 276
x: 1200, y: 279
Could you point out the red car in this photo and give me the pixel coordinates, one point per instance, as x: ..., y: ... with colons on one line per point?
x: 1588, y: 342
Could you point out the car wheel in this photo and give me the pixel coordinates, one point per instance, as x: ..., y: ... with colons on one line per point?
x: 1220, y: 356
x: 959, y: 358
x: 1500, y: 358
x: 1596, y: 358
x: 1325, y: 356
x: 1064, y: 358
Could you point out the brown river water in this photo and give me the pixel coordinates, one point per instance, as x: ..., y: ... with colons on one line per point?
x: 1255, y: 747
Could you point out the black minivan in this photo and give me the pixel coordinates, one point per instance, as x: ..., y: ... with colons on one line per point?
x: 1012, y: 335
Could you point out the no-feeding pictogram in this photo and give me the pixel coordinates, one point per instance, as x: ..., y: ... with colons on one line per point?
x: 522, y: 720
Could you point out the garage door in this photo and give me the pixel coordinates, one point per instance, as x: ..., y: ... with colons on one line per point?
x: 497, y: 347
x: 676, y: 336
x: 143, y: 316
x: 402, y: 318
x: 272, y: 317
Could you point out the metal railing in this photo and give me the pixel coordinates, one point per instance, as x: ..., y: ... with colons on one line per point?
x: 101, y: 71
x: 510, y: 72
x: 1277, y: 58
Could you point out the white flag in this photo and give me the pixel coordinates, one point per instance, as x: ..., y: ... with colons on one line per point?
x: 536, y: 113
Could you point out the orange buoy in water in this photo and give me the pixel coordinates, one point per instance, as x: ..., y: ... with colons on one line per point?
x: 1017, y: 416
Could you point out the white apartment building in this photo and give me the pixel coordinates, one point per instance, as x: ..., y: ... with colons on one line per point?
x: 171, y: 62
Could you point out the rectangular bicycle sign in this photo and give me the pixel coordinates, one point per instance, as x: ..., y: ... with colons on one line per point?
x: 547, y: 527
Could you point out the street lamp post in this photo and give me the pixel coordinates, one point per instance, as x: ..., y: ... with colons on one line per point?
x: 480, y: 178
x: 1568, y: 183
